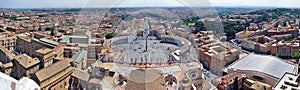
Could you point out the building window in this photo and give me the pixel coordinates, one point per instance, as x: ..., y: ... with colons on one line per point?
x: 193, y: 75
x: 65, y: 84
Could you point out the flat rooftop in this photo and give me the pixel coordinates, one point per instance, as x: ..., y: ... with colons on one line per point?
x: 288, y: 81
x: 26, y: 61
x: 218, y: 48
x: 44, y: 50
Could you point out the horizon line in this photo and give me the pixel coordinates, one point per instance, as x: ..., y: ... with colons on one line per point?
x: 153, y: 7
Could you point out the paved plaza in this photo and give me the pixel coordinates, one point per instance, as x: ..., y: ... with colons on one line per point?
x: 136, y: 52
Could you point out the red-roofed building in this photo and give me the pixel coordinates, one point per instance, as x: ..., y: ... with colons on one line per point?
x: 215, y: 56
x: 285, y: 48
x: 59, y: 50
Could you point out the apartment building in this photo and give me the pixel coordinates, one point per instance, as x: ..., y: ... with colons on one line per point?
x: 54, y: 77
x: 29, y: 45
x: 46, y: 56
x: 25, y: 66
x: 8, y: 40
x: 258, y: 44
x: 215, y: 56
x: 285, y: 48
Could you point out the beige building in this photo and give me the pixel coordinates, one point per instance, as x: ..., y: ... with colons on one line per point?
x: 149, y: 79
x: 79, y: 79
x: 25, y: 66
x: 8, y: 40
x: 250, y: 84
x: 23, y: 40
x: 54, y: 77
x: 6, y: 58
x: 258, y: 44
x: 46, y: 56
x: 7, y: 68
x: 247, y: 34
x: 93, y: 53
x: 29, y: 44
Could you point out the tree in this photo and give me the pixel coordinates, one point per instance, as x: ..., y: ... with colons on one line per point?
x: 296, y: 55
x: 110, y: 35
x: 52, y: 33
x: 49, y: 29
x: 13, y: 18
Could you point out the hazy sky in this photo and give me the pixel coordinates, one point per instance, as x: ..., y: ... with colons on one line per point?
x: 140, y: 3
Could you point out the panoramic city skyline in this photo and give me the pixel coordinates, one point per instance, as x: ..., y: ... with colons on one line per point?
x: 149, y: 45
x: 145, y: 3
